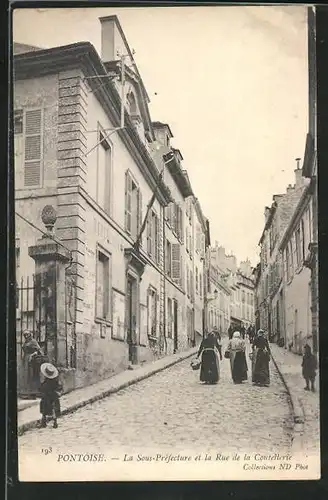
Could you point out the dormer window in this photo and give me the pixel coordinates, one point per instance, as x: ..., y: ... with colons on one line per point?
x: 132, y: 104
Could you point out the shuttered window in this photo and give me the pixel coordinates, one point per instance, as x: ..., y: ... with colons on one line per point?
x: 133, y: 206
x: 152, y: 312
x: 176, y: 263
x: 103, y: 288
x: 153, y: 236
x: 33, y: 148
x: 169, y: 319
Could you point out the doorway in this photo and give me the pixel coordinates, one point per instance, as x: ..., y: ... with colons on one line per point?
x: 175, y: 325
x: 131, y: 317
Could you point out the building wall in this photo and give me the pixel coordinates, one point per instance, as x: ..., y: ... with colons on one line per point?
x: 297, y: 283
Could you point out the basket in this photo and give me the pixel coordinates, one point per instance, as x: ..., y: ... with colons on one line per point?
x: 195, y: 364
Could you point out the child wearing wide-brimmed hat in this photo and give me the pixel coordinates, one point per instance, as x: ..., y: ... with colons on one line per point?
x: 51, y: 389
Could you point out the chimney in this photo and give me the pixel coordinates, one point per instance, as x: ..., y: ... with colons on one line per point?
x: 299, y: 180
x: 108, y: 39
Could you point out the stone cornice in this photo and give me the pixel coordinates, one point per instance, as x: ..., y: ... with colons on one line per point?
x: 83, y: 55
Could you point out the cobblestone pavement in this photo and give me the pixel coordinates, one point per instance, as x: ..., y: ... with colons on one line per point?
x: 173, y: 409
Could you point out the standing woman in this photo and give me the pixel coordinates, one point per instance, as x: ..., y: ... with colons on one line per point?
x: 209, y: 351
x: 236, y: 348
x: 260, y: 360
x: 31, y: 366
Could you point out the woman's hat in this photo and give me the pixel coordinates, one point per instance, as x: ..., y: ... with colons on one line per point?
x: 49, y: 370
x: 27, y: 333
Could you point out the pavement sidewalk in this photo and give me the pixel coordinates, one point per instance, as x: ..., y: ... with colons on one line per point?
x: 306, y: 404
x: 28, y: 411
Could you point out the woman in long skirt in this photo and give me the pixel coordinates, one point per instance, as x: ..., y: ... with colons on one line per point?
x: 260, y: 360
x: 209, y: 351
x: 236, y: 348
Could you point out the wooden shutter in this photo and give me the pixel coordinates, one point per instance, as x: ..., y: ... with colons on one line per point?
x: 176, y: 263
x: 140, y: 213
x: 158, y: 246
x: 149, y: 233
x: 128, y: 202
x: 33, y: 148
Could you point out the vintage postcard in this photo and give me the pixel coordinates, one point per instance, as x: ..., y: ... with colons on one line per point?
x: 166, y: 243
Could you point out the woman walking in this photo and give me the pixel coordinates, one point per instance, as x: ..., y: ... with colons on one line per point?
x: 236, y: 348
x: 209, y: 351
x: 260, y: 360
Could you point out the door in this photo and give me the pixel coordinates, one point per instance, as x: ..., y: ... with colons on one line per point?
x: 131, y: 317
x: 175, y: 326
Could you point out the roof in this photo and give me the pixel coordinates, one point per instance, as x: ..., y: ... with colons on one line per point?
x: 83, y: 55
x: 162, y: 125
x: 308, y: 156
x: 20, y: 48
x: 296, y: 214
x: 269, y: 220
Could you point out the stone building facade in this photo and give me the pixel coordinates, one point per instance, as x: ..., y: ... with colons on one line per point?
x: 270, y: 292
x: 102, y: 170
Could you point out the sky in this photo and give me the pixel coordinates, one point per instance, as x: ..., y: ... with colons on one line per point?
x: 232, y: 84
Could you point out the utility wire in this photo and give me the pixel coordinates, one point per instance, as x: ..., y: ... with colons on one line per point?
x: 43, y: 232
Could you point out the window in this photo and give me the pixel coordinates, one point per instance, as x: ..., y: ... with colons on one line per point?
x: 288, y: 263
x: 298, y: 246
x: 168, y: 260
x: 17, y: 248
x: 200, y: 285
x: 131, y: 100
x: 133, y: 206
x: 18, y: 121
x: 152, y: 312
x: 104, y: 168
x: 191, y: 285
x: 169, y: 319
x: 302, y: 240
x: 176, y: 263
x: 197, y: 280
x: 152, y: 236
x: 103, y: 296
x: 33, y: 148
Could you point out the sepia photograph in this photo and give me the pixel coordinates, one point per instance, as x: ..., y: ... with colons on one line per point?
x: 166, y: 243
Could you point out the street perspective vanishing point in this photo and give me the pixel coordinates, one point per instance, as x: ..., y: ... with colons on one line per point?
x: 166, y: 247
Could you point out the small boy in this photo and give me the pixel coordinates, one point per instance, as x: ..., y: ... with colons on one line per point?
x: 51, y: 390
x: 309, y: 367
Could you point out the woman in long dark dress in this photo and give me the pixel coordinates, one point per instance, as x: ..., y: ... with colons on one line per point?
x: 238, y: 364
x: 30, y: 379
x: 261, y: 359
x: 210, y: 351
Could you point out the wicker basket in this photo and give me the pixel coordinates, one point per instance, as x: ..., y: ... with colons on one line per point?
x: 195, y: 364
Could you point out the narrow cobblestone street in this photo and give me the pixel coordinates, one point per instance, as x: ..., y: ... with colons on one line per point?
x: 173, y: 409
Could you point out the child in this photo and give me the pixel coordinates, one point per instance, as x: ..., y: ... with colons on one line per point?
x: 309, y: 366
x: 51, y: 390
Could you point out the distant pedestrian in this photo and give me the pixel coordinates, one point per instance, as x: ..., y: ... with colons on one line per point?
x: 209, y: 351
x: 242, y: 332
x: 260, y: 360
x: 218, y: 338
x: 51, y: 389
x: 236, y: 349
x: 309, y: 367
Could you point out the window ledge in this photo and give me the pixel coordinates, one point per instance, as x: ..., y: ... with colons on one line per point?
x: 152, y: 337
x: 119, y: 339
x: 103, y: 322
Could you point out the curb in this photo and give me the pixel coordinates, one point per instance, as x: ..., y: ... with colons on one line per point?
x: 112, y: 390
x: 297, y: 409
